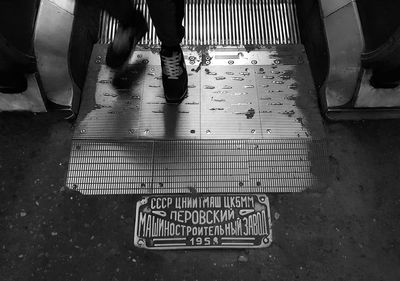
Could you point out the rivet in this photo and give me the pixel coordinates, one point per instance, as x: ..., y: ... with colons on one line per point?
x: 231, y: 62
x: 254, y: 62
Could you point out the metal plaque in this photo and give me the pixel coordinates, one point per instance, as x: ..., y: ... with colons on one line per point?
x: 203, y: 221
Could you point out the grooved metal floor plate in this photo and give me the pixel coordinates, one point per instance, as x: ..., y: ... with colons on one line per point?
x: 200, y: 166
x: 250, y: 123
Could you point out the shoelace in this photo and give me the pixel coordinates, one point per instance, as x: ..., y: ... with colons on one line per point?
x: 171, y: 65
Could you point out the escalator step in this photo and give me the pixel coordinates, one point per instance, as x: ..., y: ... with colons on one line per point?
x: 222, y: 22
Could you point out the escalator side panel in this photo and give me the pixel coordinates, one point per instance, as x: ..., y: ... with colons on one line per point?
x: 345, y: 41
x: 52, y: 40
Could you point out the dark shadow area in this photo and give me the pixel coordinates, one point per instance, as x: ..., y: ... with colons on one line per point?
x: 381, y: 28
x: 379, y: 19
x: 313, y: 38
x: 171, y: 120
x: 84, y: 36
x: 125, y: 78
x: 17, y: 22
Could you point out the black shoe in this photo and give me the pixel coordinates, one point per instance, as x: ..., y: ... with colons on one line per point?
x: 174, y: 74
x: 126, y: 39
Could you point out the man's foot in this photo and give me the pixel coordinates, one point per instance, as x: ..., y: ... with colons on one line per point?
x: 125, y: 41
x: 174, y: 74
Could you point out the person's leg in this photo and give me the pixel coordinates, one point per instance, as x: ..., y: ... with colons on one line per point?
x: 167, y: 16
x: 122, y: 10
x: 132, y: 27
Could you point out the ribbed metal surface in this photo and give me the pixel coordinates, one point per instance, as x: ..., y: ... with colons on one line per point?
x: 196, y: 166
x: 250, y: 123
x: 225, y: 22
x: 274, y: 98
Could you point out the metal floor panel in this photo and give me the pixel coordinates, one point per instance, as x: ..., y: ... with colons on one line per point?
x: 261, y: 94
x: 196, y: 166
x: 250, y: 123
x: 224, y: 22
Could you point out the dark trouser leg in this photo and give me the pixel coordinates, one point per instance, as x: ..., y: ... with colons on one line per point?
x: 122, y: 10
x: 167, y: 16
